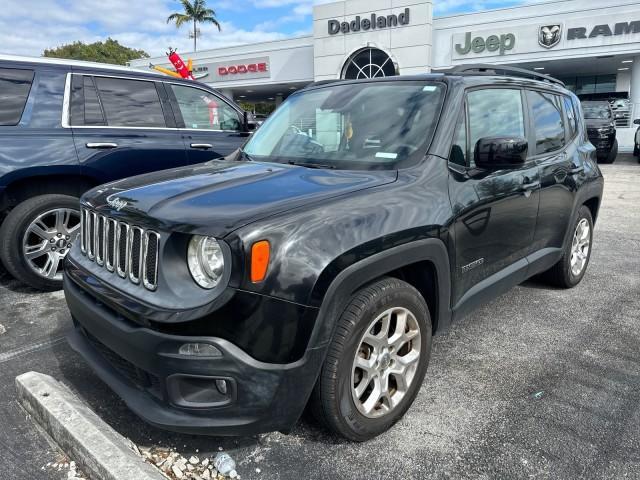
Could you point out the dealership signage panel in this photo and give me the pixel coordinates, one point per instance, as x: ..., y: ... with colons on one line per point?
x: 535, y: 38
x: 244, y: 69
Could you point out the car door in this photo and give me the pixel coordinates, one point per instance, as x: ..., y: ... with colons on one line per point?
x: 494, y: 211
x: 211, y: 128
x: 123, y: 127
x: 559, y: 159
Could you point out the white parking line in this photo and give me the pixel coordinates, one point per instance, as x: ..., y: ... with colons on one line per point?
x: 34, y: 347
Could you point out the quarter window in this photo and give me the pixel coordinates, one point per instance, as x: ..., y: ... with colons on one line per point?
x: 201, y: 110
x: 459, y: 147
x: 547, y: 119
x: 14, y: 91
x: 495, y: 112
x: 130, y: 103
x: 572, y: 121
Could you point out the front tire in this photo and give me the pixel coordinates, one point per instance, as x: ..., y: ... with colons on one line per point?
x: 570, y: 270
x: 376, y: 362
x: 36, y: 236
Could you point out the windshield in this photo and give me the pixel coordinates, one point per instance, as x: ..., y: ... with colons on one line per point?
x: 600, y: 111
x: 351, y: 126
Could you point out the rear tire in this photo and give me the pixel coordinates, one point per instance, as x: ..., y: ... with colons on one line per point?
x: 351, y: 399
x: 41, y: 212
x: 570, y: 270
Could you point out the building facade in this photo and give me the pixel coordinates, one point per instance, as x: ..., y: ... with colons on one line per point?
x: 596, y: 52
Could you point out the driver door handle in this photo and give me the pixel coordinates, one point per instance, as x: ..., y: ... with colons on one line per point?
x: 575, y: 169
x: 101, y: 145
x: 202, y: 146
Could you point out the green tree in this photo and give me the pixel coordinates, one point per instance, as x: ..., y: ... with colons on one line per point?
x: 196, y: 12
x: 109, y: 51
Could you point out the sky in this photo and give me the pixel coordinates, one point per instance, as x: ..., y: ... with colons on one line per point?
x: 27, y: 27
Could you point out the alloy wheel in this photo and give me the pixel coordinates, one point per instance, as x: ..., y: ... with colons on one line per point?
x: 386, y: 361
x: 47, y: 240
x: 580, y: 247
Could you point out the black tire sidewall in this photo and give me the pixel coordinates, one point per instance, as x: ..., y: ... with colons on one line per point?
x: 364, y: 428
x: 12, y: 233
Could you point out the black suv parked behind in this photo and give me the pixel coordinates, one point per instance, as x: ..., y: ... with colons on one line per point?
x: 314, y: 265
x: 66, y: 127
x: 601, y: 129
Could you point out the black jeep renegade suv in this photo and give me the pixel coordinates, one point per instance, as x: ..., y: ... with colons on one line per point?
x: 314, y: 265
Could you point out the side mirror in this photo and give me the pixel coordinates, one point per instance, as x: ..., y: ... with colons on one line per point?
x: 494, y: 153
x: 248, y: 122
x: 636, y: 121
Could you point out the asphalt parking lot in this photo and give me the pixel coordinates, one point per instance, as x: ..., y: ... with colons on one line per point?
x: 540, y: 383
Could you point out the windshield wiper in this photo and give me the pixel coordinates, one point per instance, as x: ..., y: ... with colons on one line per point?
x: 310, y: 165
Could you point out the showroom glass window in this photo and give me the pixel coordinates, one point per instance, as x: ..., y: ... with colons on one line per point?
x: 15, y: 85
x: 130, y: 103
x: 546, y: 111
x: 203, y: 111
x: 494, y: 112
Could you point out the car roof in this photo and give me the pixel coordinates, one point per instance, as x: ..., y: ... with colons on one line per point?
x: 73, y: 63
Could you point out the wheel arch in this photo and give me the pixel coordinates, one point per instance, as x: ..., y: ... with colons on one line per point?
x: 42, y: 182
x: 593, y: 204
x: 423, y: 263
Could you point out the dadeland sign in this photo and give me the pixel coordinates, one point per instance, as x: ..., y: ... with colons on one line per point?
x: 369, y: 23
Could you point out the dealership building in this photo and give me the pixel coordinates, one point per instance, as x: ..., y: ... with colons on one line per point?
x: 592, y: 45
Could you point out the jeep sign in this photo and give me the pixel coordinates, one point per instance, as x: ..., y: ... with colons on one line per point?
x: 371, y: 23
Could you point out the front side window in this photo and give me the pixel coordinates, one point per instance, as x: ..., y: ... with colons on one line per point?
x: 201, y: 110
x: 15, y: 85
x: 495, y: 112
x: 547, y: 120
x: 368, y: 126
x: 130, y: 103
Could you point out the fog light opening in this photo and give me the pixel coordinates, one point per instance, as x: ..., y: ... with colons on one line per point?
x: 221, y: 385
x: 199, y: 350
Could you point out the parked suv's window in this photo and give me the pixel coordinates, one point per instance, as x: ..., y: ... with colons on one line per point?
x: 495, y: 112
x: 130, y: 103
x: 14, y: 90
x: 547, y: 120
x: 352, y: 126
x: 571, y: 117
x: 204, y: 111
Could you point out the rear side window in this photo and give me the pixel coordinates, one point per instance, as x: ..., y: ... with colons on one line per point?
x: 572, y: 119
x: 546, y: 113
x: 14, y: 91
x: 130, y: 103
x: 494, y: 112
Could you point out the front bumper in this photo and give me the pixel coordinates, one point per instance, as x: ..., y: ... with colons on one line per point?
x: 143, y: 367
x: 603, y: 142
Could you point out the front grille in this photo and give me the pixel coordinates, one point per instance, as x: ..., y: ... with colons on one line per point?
x: 128, y: 250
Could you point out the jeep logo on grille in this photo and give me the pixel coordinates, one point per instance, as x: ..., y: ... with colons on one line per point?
x: 116, y: 203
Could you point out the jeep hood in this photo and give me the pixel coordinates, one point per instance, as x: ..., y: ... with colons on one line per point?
x: 221, y: 196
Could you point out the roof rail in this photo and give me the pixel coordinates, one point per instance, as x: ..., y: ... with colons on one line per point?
x: 504, y: 70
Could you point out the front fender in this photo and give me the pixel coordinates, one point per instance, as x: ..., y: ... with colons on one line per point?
x: 336, y: 290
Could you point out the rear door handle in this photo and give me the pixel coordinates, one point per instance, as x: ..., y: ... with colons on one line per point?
x: 575, y: 170
x: 530, y: 186
x: 203, y: 146
x: 101, y: 145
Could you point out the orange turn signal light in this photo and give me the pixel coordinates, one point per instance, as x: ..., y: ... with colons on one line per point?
x: 260, y: 252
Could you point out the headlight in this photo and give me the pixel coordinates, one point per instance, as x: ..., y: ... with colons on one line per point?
x: 206, y: 262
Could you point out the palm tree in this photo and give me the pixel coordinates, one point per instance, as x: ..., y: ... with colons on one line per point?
x: 196, y: 12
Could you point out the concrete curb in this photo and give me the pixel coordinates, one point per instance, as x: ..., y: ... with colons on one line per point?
x: 100, y: 451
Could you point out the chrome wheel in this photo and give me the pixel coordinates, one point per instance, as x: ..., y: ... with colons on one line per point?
x: 580, y: 247
x: 47, y: 240
x: 386, y: 361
